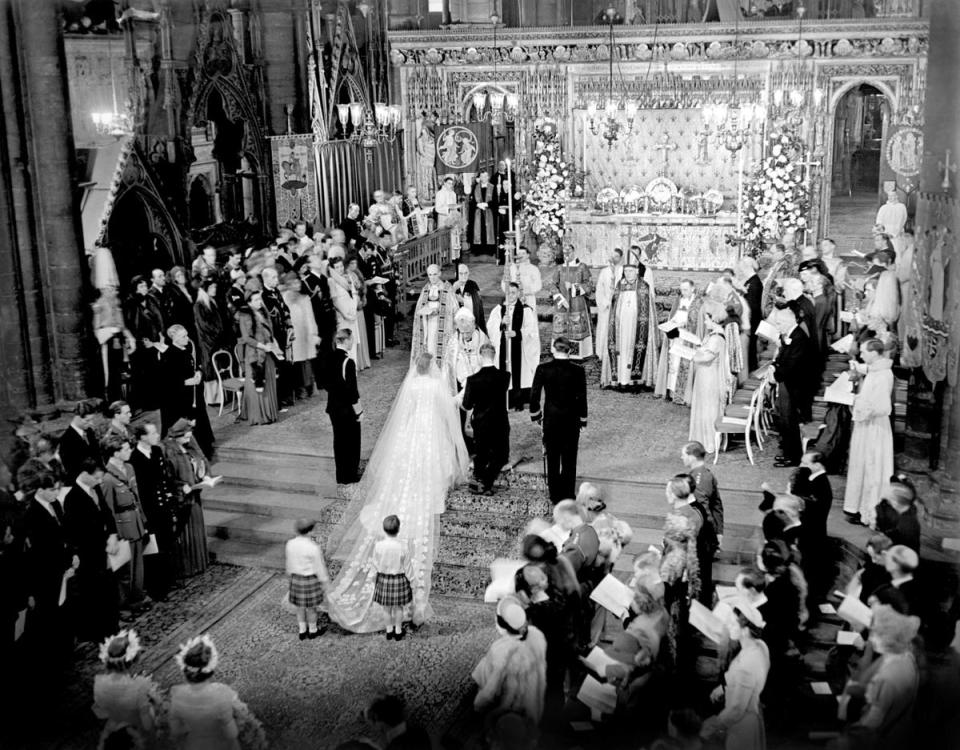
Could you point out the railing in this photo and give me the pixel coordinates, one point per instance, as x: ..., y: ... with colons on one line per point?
x: 413, y: 257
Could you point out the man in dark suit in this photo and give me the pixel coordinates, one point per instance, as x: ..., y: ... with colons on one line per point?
x: 78, y: 442
x: 90, y: 530
x: 485, y: 394
x: 48, y: 556
x: 753, y: 293
x: 279, y: 313
x: 564, y: 414
x: 343, y: 406
x: 318, y: 289
x: 794, y: 368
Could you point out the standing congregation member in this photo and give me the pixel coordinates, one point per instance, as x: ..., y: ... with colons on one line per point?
x: 563, y: 386
x: 485, y: 399
x: 145, y: 321
x: 282, y: 328
x: 306, y: 339
x: 180, y: 301
x: 90, y: 531
x: 572, y: 285
x: 897, y: 513
x: 210, y: 335
x: 78, y: 443
x: 318, y: 290
x: 794, y: 368
x: 705, y: 485
x: 675, y: 368
x: 607, y: 282
x: 120, y: 416
x: 515, y: 336
x: 188, y: 469
x: 344, y: 408
x: 870, y: 463
x: 259, y: 353
x: 120, y: 496
x: 779, y: 267
x: 752, y: 289
x: 351, y: 227
x: 158, y: 500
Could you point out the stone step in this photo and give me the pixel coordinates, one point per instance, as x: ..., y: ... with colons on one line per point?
x: 303, y: 477
x: 257, y: 502
x: 263, y: 456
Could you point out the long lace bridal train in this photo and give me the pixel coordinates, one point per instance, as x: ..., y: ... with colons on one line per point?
x: 419, y: 456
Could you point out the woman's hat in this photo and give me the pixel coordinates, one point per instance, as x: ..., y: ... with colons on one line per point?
x: 511, y: 614
x: 180, y: 428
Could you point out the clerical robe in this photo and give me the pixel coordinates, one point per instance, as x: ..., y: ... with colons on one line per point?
x: 519, y: 354
x: 468, y: 295
x: 606, y: 283
x: 462, y: 357
x: 886, y: 301
x: 629, y: 335
x: 674, y: 372
x: 483, y: 216
x: 528, y: 277
x: 447, y: 208
x: 433, y: 321
x: 572, y: 284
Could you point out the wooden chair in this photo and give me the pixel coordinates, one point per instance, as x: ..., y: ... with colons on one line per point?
x: 227, y: 381
x: 737, y: 420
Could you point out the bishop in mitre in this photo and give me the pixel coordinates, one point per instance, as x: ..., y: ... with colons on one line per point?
x: 631, y: 357
x: 675, y: 369
x: 572, y: 286
x: 515, y: 335
x: 607, y: 281
x: 433, y: 317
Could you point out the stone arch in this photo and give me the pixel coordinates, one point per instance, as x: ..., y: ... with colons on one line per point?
x: 141, y: 234
x: 888, y: 86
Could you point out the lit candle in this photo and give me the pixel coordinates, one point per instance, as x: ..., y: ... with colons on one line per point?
x: 509, y: 193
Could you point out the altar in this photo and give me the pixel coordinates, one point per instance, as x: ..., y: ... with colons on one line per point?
x: 667, y: 241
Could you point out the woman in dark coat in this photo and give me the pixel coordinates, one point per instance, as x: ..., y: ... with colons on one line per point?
x: 181, y: 301
x: 182, y: 396
x: 210, y: 336
x: 146, y: 324
x: 187, y: 468
x: 258, y: 350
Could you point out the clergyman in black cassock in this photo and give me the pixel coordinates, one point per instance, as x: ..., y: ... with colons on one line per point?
x: 563, y: 385
x: 794, y: 368
x: 485, y: 394
x: 343, y: 406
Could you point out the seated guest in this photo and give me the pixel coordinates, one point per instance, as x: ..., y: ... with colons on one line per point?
x: 897, y: 513
x: 740, y: 722
x: 78, y: 442
x: 120, y: 495
x: 91, y: 531
x: 901, y: 563
x: 873, y: 574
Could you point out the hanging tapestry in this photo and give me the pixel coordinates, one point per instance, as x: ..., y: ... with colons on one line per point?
x: 460, y: 147
x: 294, y: 179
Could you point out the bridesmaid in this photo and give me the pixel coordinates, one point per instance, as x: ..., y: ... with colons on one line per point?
x: 187, y: 469
x: 128, y: 702
x: 207, y: 715
x: 258, y: 350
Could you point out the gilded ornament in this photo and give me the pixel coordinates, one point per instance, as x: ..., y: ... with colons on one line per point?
x: 889, y: 47
x: 472, y: 55
x: 843, y: 48
x: 643, y: 52
x: 759, y: 49
x: 397, y: 57
x: 679, y: 51
x: 715, y: 50
x: 518, y: 55
x: 434, y: 56
x: 561, y: 53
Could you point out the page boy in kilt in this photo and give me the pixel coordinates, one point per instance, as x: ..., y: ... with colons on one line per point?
x: 308, y: 578
x: 392, y: 590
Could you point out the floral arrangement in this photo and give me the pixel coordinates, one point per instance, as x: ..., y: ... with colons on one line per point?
x: 544, y: 211
x: 126, y: 639
x: 775, y: 198
x: 213, y: 660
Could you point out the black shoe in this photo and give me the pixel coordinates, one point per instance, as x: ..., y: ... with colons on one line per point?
x: 311, y: 634
x: 303, y: 636
x: 399, y: 636
x: 389, y: 635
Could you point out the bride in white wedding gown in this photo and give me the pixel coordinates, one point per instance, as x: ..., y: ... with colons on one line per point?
x: 419, y: 456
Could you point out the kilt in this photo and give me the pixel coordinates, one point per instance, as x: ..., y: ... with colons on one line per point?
x: 305, y: 591
x: 392, y: 590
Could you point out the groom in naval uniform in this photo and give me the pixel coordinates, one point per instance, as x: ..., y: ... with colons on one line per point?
x: 343, y: 406
x: 564, y: 414
x: 485, y: 395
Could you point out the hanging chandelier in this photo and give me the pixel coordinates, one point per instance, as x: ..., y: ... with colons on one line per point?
x: 367, y: 127
x: 609, y: 124
x: 798, y: 98
x: 503, y: 105
x: 114, y: 123
x: 733, y: 122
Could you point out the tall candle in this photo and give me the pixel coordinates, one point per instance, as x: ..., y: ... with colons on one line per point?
x: 509, y: 192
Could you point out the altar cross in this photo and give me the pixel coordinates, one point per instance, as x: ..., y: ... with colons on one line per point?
x: 664, y: 146
x: 808, y: 164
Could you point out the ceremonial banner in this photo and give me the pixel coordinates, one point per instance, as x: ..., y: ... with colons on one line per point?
x: 294, y: 178
x: 462, y: 148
